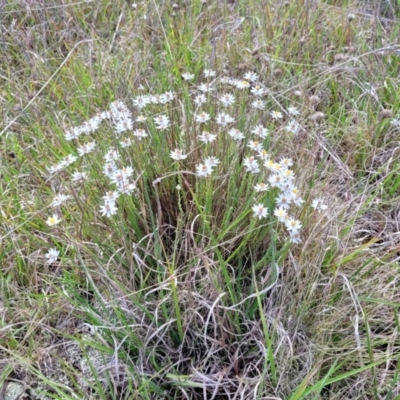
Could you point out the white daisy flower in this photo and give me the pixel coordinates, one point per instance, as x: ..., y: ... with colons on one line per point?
x: 202, y: 117
x: 162, y: 122
x: 111, y: 197
x: 53, y: 220
x: 60, y: 199
x: 251, y: 165
x: 211, y: 161
x: 108, y: 209
x: 126, y: 187
x: 73, y: 133
x: 141, y: 118
x: 293, y: 127
x: 258, y: 91
x: 293, y: 111
x: 125, y: 143
x: 112, y: 155
x: 187, y: 76
x: 293, y: 225
x: 207, y: 137
x: 295, y: 237
x: 200, y: 99
x: 223, y: 119
x: 259, y: 211
x: 86, y: 148
x: 318, y: 205
x: 141, y: 101
x: 203, y: 170
x: 79, y: 176
x: 235, y: 134
x: 140, y: 134
x: 261, y: 187
x: 254, y: 145
x: 260, y: 131
x: 276, y: 115
x: 205, y: 87
x: 178, y: 155
x: 227, y: 99
x: 242, y: 84
x: 283, y: 201
x: 281, y: 214
x: 208, y: 73
x: 258, y: 104
x: 52, y: 256
x: 251, y: 76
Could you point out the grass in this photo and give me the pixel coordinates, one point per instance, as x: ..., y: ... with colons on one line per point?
x: 183, y: 293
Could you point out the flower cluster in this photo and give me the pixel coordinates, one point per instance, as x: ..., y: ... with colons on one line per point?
x: 209, y: 126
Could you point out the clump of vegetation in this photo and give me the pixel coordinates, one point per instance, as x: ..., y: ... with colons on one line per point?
x: 199, y: 201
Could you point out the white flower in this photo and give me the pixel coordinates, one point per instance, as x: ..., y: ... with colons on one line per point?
x: 140, y: 133
x: 258, y: 104
x: 263, y: 155
x: 73, y: 133
x: 205, y: 87
x: 259, y: 211
x: 68, y: 160
x: 109, y: 168
x: 318, y: 205
x: 211, y: 161
x: 111, y: 155
x: 55, y: 168
x: 293, y: 225
x: 276, y: 115
x: 251, y: 76
x: 254, y: 145
x: 141, y: 101
x: 261, y: 187
x: 283, y: 201
x: 260, y: 131
x: 200, y: 99
x: 53, y: 220
x: 235, y: 134
x: 208, y: 73
x: 293, y: 127
x: 281, y: 214
x: 287, y: 162
x: 295, y: 237
x: 104, y: 115
x: 207, y: 137
x: 125, y: 187
x: 258, y: 91
x: 203, y: 170
x: 141, y: 118
x: 242, y: 84
x: 108, y: 209
x: 178, y: 155
x: 251, y: 165
x: 202, y: 117
x: 86, y: 148
x: 187, y: 76
x: 60, y: 199
x: 125, y: 142
x: 275, y: 180
x: 227, y: 99
x: 111, y: 197
x: 79, y: 176
x: 293, y: 111
x: 223, y: 119
x: 52, y: 256
x: 161, y: 121
x: 123, y: 125
x: 91, y: 125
